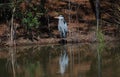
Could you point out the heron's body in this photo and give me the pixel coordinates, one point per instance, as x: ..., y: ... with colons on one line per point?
x: 62, y: 27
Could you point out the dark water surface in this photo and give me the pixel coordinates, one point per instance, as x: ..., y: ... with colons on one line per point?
x: 73, y: 60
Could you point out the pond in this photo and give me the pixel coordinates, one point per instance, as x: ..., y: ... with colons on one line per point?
x: 71, y: 60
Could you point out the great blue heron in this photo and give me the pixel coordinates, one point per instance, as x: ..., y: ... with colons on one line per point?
x: 62, y: 26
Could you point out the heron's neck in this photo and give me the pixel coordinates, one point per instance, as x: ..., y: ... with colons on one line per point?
x: 61, y: 21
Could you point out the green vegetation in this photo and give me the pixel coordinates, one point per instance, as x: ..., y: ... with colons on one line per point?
x: 27, y: 14
x: 100, y: 36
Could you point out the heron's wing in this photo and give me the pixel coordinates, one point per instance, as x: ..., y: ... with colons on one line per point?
x: 65, y: 27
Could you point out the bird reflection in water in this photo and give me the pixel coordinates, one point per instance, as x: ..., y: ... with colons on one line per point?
x: 63, y: 61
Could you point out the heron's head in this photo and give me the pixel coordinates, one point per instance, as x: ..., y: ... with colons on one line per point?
x: 60, y: 17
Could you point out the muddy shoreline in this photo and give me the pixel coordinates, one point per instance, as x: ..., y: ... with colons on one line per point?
x: 46, y: 41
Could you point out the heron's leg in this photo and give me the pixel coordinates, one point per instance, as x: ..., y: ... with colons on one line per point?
x: 61, y: 34
x: 65, y: 34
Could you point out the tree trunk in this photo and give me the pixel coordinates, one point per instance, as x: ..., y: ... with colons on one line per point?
x: 12, y: 42
x: 97, y: 13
